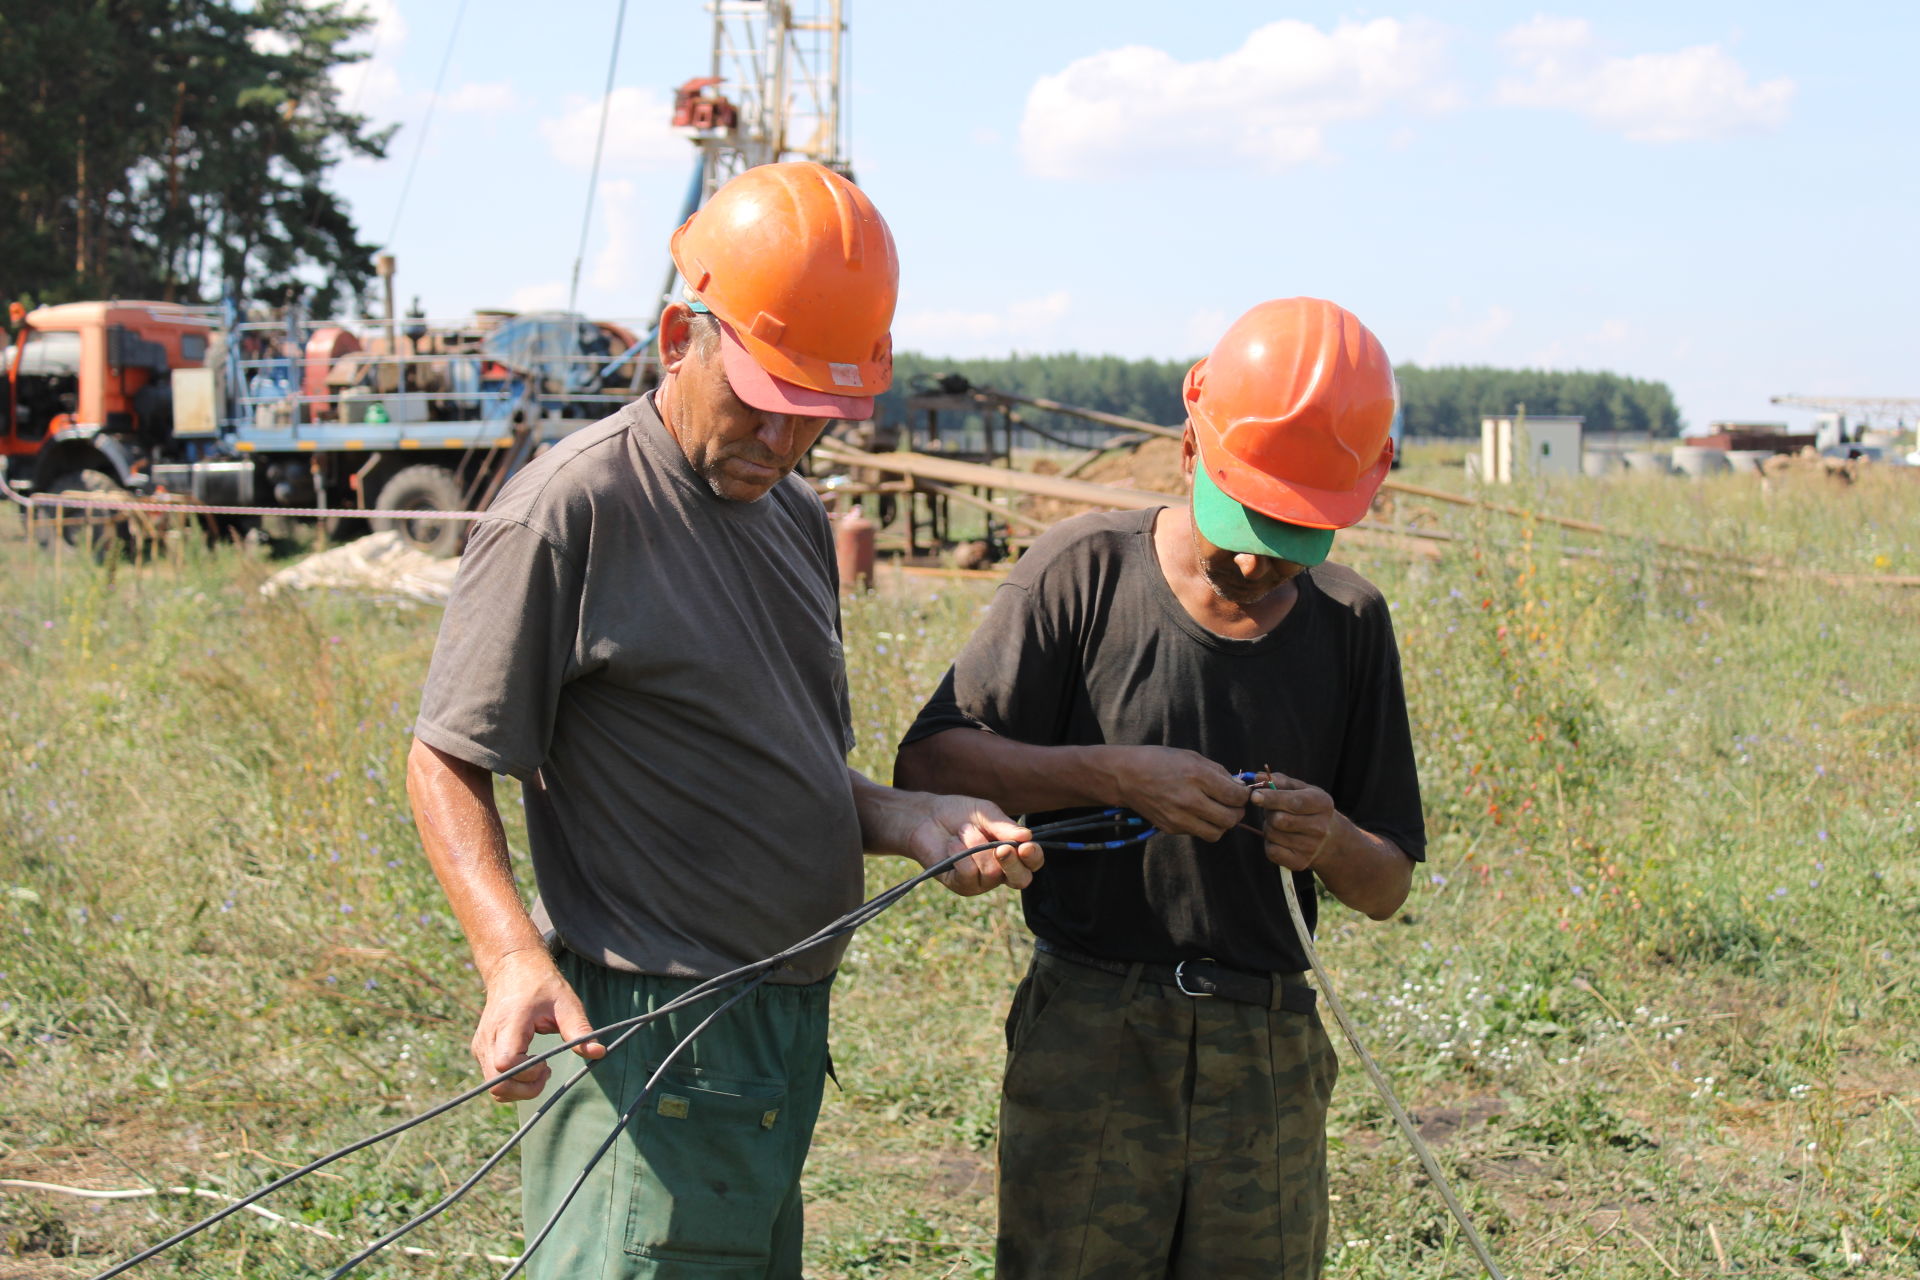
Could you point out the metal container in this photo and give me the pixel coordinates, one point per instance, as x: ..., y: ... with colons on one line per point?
x: 1692, y: 460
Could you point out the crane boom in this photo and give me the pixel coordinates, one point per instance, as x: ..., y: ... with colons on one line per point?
x: 1871, y: 406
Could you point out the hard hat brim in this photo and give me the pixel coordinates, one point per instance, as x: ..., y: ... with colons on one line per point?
x: 755, y: 386
x: 1235, y: 526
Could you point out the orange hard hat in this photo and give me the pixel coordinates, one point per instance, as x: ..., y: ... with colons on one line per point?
x: 800, y: 269
x: 1292, y: 409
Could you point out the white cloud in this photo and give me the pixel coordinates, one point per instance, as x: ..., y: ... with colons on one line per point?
x: 1203, y: 329
x: 1694, y: 93
x: 1599, y: 347
x: 481, y: 98
x: 639, y: 133
x: 548, y: 295
x: 613, y: 267
x: 372, y: 86
x: 1021, y: 324
x: 1467, y: 339
x: 1268, y: 103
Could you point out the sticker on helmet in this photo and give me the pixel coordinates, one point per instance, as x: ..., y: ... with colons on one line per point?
x: 844, y: 375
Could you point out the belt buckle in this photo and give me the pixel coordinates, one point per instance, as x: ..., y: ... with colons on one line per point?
x: 1180, y: 978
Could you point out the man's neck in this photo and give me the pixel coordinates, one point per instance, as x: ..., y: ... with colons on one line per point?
x: 1180, y: 566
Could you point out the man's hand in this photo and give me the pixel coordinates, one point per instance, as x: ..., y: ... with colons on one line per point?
x: 1301, y: 823
x: 953, y: 823
x: 1180, y: 792
x: 526, y: 996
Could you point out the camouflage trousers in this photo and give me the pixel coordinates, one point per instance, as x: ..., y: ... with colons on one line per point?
x: 1147, y: 1134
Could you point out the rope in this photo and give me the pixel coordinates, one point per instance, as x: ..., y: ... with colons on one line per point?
x: 599, y: 144
x: 198, y: 509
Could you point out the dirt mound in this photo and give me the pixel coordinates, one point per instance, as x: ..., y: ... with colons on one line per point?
x: 1153, y: 466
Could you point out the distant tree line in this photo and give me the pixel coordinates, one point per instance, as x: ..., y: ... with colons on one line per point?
x: 1441, y: 401
x: 166, y: 149
x: 1450, y: 400
x: 1145, y: 389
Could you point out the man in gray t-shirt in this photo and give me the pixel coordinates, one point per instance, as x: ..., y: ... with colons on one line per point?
x: 645, y: 632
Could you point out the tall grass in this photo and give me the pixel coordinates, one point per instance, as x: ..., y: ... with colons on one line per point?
x: 1654, y: 996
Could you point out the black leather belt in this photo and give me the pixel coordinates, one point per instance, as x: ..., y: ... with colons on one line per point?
x: 1201, y: 979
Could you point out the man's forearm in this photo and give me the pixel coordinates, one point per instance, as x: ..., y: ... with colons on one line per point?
x: 467, y: 848
x: 1367, y: 872
x: 888, y: 815
x: 1018, y: 776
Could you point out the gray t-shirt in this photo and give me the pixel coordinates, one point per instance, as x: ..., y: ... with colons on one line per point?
x: 662, y: 669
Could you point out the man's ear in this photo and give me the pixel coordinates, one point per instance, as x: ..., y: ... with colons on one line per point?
x: 676, y: 335
x: 1189, y: 453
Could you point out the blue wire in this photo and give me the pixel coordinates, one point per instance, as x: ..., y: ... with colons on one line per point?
x: 1124, y: 818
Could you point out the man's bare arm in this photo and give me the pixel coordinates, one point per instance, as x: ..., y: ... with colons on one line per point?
x: 930, y: 828
x: 467, y: 848
x: 1304, y: 831
x: 1179, y: 791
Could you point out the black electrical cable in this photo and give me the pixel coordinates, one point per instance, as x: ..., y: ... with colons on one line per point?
x: 1045, y: 836
x: 619, y: 1127
x: 486, y: 1166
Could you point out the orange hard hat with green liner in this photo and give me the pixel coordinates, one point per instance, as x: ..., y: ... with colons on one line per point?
x: 800, y: 270
x: 1291, y: 411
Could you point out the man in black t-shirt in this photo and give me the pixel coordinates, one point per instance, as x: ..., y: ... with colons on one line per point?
x: 1164, y: 1107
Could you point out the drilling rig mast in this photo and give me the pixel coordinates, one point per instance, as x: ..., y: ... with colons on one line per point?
x: 772, y: 93
x: 779, y: 64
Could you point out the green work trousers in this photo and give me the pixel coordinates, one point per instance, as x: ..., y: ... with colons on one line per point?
x: 704, y: 1182
x: 1149, y: 1135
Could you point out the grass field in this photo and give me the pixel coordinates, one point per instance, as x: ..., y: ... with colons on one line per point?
x: 1653, y: 998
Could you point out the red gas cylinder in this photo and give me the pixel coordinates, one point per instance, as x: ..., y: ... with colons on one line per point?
x: 853, y: 548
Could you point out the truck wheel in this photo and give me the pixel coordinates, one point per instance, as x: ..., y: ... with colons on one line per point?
x: 84, y: 528
x: 423, y: 488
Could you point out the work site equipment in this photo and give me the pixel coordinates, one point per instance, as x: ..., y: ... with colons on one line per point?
x: 1293, y: 408
x: 801, y: 267
x: 389, y: 415
x: 273, y: 413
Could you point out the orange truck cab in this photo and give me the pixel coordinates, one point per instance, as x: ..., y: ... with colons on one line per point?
x: 88, y: 389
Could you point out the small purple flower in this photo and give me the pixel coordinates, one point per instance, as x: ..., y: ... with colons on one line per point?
x: 1821, y: 834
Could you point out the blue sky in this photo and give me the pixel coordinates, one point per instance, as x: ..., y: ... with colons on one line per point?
x: 1718, y: 195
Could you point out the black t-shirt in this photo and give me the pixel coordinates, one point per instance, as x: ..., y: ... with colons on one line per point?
x: 1085, y: 643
